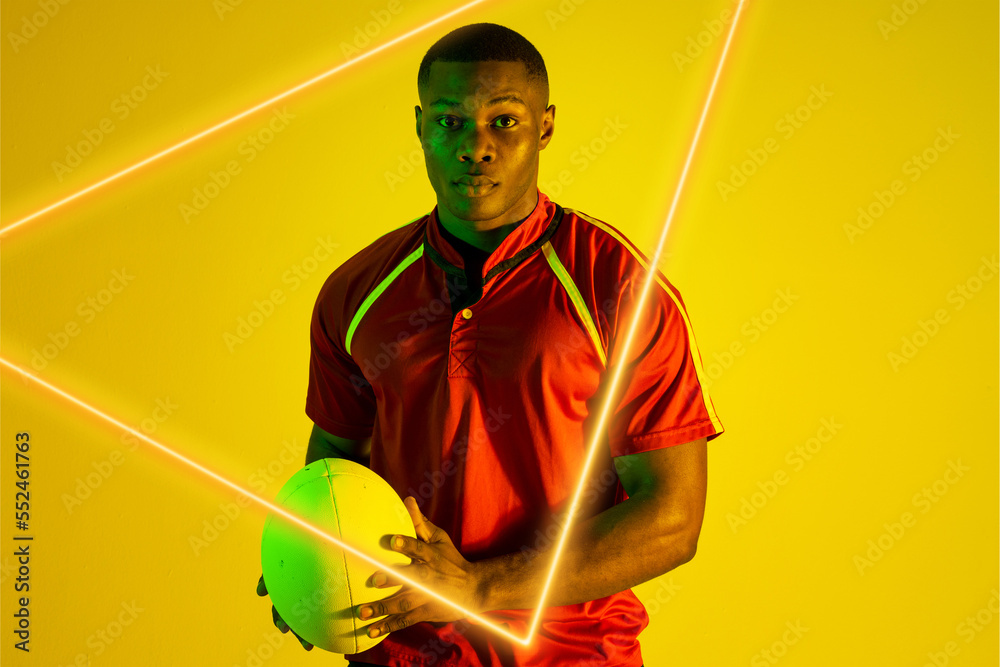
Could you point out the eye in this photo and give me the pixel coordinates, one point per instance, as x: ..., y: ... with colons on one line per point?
x: 510, y: 118
x: 442, y: 122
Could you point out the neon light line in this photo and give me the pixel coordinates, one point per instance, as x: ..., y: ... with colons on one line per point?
x: 265, y: 503
x: 229, y: 121
x: 616, y: 375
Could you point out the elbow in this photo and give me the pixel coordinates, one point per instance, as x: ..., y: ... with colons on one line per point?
x: 692, y: 532
x: 683, y: 534
x: 677, y: 527
x: 691, y: 549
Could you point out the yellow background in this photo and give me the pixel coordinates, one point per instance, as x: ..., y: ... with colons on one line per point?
x: 324, y: 175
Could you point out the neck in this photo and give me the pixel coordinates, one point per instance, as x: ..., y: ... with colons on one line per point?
x: 486, y: 234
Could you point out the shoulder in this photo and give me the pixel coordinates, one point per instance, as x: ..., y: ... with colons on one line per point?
x: 351, y: 282
x: 588, y: 240
x: 602, y: 252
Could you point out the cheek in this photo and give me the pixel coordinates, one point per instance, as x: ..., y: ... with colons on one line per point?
x: 523, y: 156
x: 435, y: 155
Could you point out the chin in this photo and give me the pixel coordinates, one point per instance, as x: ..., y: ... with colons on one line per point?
x: 486, y: 208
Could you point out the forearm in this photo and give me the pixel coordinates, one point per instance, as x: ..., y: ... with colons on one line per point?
x: 621, y: 547
x: 319, y: 449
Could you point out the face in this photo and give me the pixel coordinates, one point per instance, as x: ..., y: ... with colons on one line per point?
x: 481, y: 128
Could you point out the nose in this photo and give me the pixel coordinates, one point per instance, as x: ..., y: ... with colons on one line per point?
x: 476, y: 146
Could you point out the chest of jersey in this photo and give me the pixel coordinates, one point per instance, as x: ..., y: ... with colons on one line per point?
x: 522, y: 331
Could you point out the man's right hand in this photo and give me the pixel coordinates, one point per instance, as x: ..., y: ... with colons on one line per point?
x: 278, y: 622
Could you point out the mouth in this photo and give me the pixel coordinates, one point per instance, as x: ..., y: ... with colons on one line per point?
x: 471, y: 186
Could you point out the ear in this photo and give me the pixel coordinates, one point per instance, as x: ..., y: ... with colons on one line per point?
x: 419, y: 113
x: 548, y: 126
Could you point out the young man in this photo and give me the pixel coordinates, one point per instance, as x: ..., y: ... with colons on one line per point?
x: 464, y: 358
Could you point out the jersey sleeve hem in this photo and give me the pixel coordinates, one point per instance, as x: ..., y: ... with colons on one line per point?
x: 339, y: 429
x: 647, y: 442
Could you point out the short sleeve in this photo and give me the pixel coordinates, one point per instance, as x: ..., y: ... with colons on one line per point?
x: 339, y: 400
x: 662, y: 399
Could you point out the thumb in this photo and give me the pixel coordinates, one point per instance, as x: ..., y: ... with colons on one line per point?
x: 261, y: 587
x: 423, y: 527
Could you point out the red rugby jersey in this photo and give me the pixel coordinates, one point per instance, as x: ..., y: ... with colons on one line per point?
x: 485, y: 415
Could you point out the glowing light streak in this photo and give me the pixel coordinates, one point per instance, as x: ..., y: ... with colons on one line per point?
x: 623, y: 355
x: 297, y: 520
x: 615, y: 379
x: 229, y: 121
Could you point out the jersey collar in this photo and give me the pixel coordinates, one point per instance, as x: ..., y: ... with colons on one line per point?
x: 526, y: 238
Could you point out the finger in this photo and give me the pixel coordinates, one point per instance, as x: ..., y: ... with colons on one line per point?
x: 306, y: 645
x: 278, y: 621
x: 387, y: 579
x: 395, y: 604
x: 416, y: 571
x: 394, y: 623
x: 423, y: 527
x: 426, y: 530
x: 281, y: 625
x: 380, y: 580
x: 261, y: 587
x: 414, y: 548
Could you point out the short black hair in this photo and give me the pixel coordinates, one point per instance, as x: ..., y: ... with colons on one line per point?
x: 478, y: 42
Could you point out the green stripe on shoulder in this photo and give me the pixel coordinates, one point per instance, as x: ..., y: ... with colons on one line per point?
x: 695, y: 352
x: 377, y: 292
x: 576, y: 298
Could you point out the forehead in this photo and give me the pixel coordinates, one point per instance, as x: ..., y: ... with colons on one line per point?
x: 475, y: 84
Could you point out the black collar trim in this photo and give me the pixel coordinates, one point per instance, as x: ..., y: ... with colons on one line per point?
x: 509, y: 263
x: 441, y: 261
x: 526, y: 251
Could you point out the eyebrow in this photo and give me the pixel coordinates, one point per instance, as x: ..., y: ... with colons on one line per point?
x: 510, y: 97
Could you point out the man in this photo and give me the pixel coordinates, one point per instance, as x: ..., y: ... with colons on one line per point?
x: 464, y: 358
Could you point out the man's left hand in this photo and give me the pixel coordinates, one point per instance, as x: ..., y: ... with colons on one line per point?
x: 437, y: 565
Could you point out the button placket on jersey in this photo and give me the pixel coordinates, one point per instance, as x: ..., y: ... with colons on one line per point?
x: 462, y: 353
